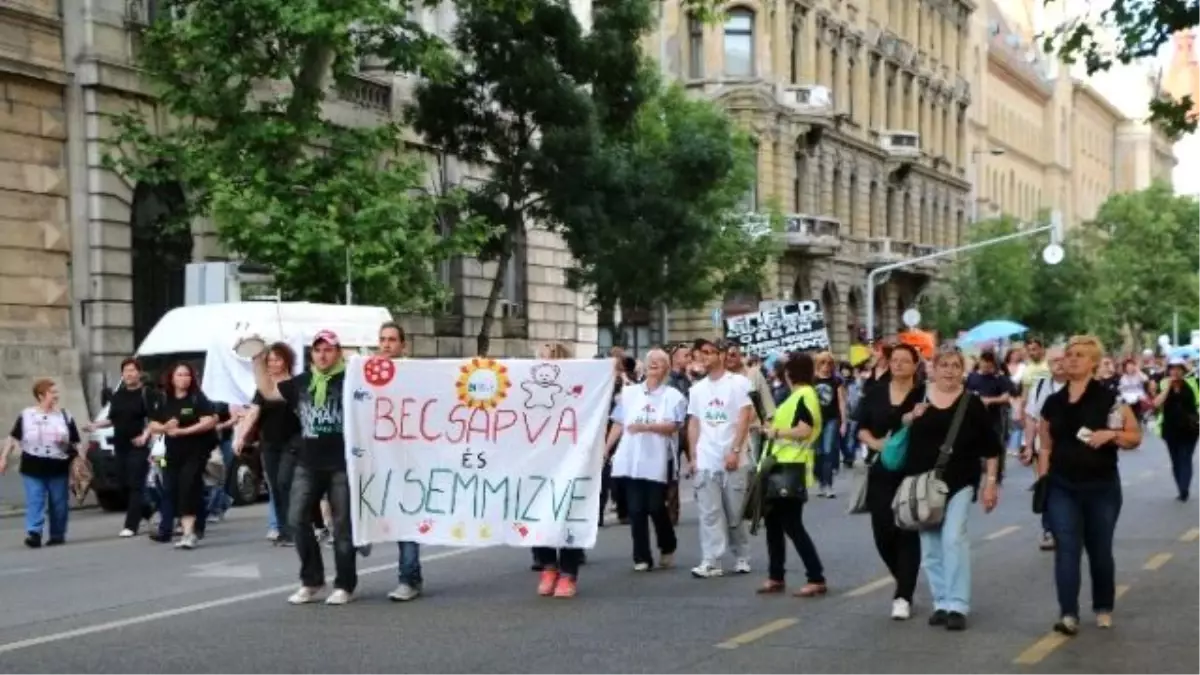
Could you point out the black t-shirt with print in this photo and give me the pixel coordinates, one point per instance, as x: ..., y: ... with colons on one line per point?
x: 129, y: 410
x: 827, y: 393
x: 1179, y: 416
x: 977, y: 439
x: 277, y: 421
x: 1070, y: 458
x: 188, y: 410
x: 45, y: 467
x: 322, y: 445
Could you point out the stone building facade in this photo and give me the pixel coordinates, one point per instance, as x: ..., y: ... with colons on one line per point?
x: 858, y: 109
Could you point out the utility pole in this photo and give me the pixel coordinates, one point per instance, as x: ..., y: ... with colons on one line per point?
x: 349, y: 286
x: 1052, y: 255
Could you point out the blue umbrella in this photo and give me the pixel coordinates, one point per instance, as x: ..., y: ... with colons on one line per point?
x: 1184, y: 352
x: 989, y: 331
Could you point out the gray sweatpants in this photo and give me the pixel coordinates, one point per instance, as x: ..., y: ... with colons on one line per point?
x: 719, y: 497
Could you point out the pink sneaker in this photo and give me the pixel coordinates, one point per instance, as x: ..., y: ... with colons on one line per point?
x: 547, y: 581
x: 565, y: 588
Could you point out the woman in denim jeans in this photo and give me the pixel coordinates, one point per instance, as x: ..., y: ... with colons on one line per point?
x: 946, y: 548
x: 832, y: 393
x: 1084, y: 426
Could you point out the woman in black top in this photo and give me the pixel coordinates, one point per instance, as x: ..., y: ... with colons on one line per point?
x: 946, y: 549
x: 1083, y: 426
x: 1180, y: 424
x: 129, y: 413
x: 278, y: 428
x: 881, y: 414
x: 831, y: 392
x: 187, y: 419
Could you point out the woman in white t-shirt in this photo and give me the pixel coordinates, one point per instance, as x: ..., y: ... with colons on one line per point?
x: 1132, y: 386
x: 646, y: 423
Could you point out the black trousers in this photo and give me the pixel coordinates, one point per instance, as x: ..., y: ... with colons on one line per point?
x: 279, y: 463
x: 565, y: 560
x: 134, y: 464
x: 784, y: 519
x: 899, y: 549
x: 647, y: 502
x: 613, y: 488
x: 309, y: 484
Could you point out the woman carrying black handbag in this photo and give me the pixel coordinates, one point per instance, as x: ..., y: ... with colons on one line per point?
x: 784, y: 475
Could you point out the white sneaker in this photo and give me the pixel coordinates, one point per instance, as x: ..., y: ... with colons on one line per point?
x: 666, y: 560
x: 187, y: 542
x: 641, y: 567
x: 742, y: 566
x: 821, y: 492
x: 304, y: 595
x: 127, y: 533
x: 339, y: 597
x: 272, y: 535
x: 901, y: 610
x: 404, y: 593
x: 707, y: 571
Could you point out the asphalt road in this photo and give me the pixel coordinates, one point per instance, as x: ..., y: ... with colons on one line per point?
x: 101, y: 604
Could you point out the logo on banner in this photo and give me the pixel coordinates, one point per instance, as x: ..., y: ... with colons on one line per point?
x: 482, y: 384
x: 378, y: 371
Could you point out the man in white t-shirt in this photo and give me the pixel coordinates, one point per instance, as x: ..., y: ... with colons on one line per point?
x: 1039, y: 390
x: 719, y: 415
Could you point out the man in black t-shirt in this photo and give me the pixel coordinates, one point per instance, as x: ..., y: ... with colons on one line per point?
x: 316, y: 398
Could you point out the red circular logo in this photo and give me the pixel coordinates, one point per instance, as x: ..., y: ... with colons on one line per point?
x: 378, y: 371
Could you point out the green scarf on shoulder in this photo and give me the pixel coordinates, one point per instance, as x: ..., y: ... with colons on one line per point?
x: 318, y: 386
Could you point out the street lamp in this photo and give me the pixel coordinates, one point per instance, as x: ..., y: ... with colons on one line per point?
x: 994, y: 152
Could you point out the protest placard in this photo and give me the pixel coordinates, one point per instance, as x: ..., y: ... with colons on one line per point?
x: 476, y: 452
x: 789, y: 327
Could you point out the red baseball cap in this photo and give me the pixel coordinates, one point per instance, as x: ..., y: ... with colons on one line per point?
x: 327, y: 336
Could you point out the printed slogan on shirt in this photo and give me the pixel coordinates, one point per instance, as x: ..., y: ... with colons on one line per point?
x: 476, y: 452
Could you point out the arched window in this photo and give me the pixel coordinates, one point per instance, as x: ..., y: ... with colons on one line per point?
x: 695, y: 47
x: 739, y: 42
x: 161, y: 248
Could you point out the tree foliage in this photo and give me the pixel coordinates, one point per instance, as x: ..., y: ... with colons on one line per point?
x: 1127, y: 272
x: 240, y: 88
x: 1142, y: 28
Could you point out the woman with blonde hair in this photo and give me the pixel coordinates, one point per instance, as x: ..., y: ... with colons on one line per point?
x: 831, y: 392
x: 645, y: 424
x: 974, y: 445
x: 559, y: 567
x: 1084, y: 426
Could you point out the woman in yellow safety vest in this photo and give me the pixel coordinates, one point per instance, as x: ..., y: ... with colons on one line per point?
x: 793, y: 433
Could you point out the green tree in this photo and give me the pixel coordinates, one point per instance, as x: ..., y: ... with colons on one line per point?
x: 1146, y: 267
x: 514, y: 101
x: 1141, y: 29
x: 995, y: 282
x: 240, y: 86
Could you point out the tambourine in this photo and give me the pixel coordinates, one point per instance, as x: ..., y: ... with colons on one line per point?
x: 250, y: 347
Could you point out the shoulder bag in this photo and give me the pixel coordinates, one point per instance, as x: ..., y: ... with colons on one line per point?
x: 920, y: 502
x: 895, y: 448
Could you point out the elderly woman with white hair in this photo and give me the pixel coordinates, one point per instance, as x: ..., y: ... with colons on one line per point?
x: 646, y: 424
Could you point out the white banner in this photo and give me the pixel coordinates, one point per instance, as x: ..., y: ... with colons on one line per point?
x: 476, y: 452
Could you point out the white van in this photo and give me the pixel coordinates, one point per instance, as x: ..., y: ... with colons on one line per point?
x: 187, y: 334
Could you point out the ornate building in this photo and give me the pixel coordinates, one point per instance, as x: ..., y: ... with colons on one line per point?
x: 87, y: 268
x: 858, y: 110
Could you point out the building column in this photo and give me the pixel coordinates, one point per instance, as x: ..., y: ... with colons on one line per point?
x: 808, y: 49
x: 785, y: 168
x: 914, y: 103
x: 780, y: 49
x: 825, y: 184
x: 936, y: 144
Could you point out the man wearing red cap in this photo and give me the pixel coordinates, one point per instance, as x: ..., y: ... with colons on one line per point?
x: 316, y: 397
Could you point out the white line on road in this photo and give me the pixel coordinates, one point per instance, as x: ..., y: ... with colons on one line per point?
x: 198, y: 607
x: 1002, y: 532
x: 19, y: 570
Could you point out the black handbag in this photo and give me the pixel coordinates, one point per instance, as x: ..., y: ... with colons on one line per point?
x: 787, y: 482
x: 1040, y: 488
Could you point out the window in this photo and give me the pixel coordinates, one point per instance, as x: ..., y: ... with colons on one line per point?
x: 890, y: 101
x: 852, y: 217
x: 850, y: 88
x: 835, y: 66
x: 795, y: 62
x: 739, y: 43
x: 837, y: 193
x: 801, y: 200
x: 695, y: 48
x: 751, y: 202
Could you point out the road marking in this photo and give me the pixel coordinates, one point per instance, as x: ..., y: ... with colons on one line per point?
x: 1156, y: 561
x: 19, y: 570
x: 1191, y: 535
x: 1039, y: 650
x: 224, y: 569
x: 757, y: 634
x: 1002, y: 532
x: 879, y: 583
x: 198, y: 607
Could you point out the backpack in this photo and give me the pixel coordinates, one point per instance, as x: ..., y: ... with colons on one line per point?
x: 920, y: 501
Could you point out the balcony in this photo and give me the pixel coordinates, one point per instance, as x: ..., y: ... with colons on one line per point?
x: 366, y: 92
x: 808, y: 99
x: 814, y: 235
x: 886, y: 251
x: 902, y: 145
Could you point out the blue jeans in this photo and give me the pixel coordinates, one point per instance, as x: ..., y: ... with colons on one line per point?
x: 1083, y: 516
x: 38, y: 491
x: 827, y: 453
x: 272, y: 519
x: 850, y: 442
x: 1182, y: 453
x: 410, y: 564
x: 946, y: 556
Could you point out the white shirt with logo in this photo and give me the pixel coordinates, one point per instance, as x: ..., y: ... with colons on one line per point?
x: 717, y: 405
x: 645, y: 455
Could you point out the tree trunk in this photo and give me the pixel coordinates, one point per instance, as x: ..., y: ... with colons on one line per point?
x: 484, y: 339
